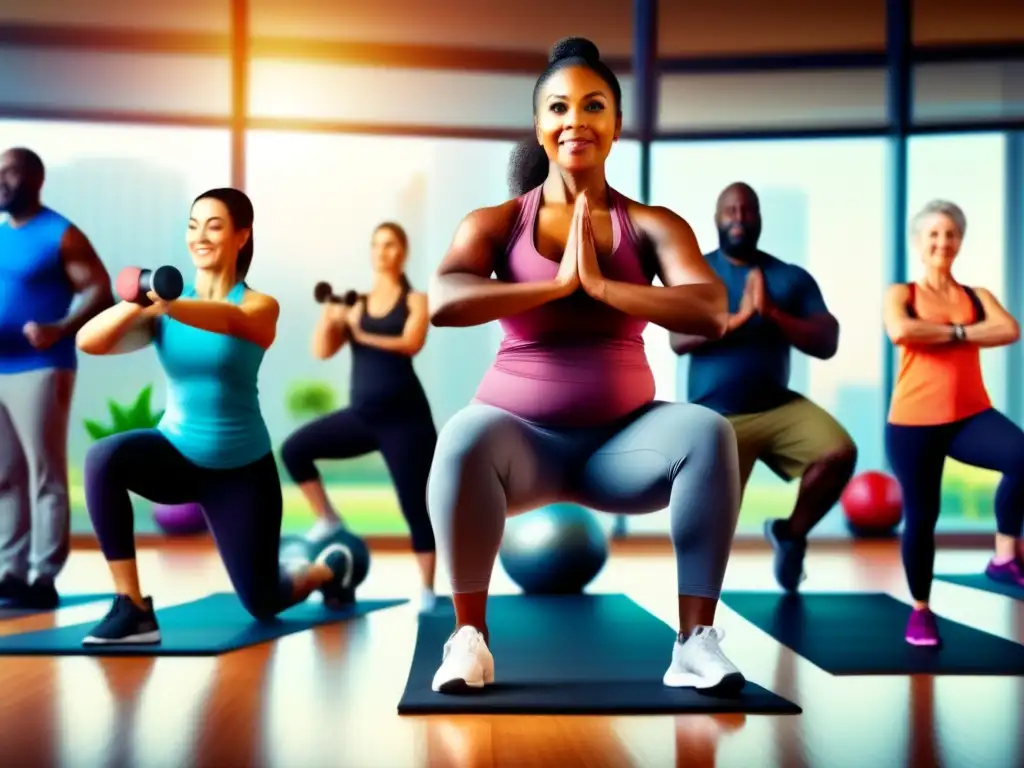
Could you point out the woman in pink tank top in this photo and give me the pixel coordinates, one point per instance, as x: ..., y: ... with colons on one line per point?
x: 567, y: 412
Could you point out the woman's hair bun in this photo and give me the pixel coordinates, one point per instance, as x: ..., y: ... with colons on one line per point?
x: 574, y: 48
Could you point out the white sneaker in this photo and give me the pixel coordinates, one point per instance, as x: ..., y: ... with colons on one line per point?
x: 466, y: 663
x: 428, y: 600
x: 699, y: 663
x: 321, y: 529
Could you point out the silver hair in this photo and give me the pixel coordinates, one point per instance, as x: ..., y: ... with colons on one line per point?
x: 943, y: 207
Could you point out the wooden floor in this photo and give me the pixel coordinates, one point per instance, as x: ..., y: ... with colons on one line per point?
x: 328, y: 697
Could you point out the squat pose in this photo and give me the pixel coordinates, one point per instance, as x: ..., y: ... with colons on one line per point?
x: 211, y: 446
x: 566, y: 413
x: 940, y: 407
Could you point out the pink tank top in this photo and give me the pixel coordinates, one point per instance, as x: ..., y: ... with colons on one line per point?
x: 574, y: 362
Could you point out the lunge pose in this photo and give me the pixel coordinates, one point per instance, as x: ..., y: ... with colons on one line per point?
x: 774, y: 307
x: 388, y: 409
x: 211, y: 446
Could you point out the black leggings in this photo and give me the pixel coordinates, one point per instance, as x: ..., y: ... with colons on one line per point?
x: 242, y: 508
x: 917, y: 455
x: 406, y: 441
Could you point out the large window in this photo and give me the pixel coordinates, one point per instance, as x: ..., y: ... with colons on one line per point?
x: 824, y: 208
x: 317, y: 199
x: 970, y: 171
x: 128, y: 189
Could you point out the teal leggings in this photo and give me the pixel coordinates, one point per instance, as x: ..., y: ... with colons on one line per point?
x: 490, y: 463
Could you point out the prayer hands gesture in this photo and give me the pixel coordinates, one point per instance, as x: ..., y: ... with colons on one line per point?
x: 579, y: 267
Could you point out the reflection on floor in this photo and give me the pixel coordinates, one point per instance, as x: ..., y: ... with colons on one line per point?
x: 328, y: 697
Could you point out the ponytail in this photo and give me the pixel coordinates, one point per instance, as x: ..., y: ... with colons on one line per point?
x: 527, y: 167
x: 404, y: 282
x: 245, y: 254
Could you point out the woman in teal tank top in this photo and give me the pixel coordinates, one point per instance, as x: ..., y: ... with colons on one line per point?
x: 212, y: 445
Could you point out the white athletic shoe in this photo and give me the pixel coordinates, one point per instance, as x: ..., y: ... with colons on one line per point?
x: 465, y: 663
x: 321, y: 529
x: 428, y: 600
x: 698, y: 662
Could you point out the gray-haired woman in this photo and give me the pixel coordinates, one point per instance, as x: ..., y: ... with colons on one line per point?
x: 940, y: 407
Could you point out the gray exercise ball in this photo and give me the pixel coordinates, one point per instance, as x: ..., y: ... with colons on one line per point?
x: 554, y: 550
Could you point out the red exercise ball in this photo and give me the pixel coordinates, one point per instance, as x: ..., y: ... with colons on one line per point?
x: 873, y: 503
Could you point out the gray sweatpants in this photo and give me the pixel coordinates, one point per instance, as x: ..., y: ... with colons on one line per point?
x: 489, y: 464
x: 34, y: 505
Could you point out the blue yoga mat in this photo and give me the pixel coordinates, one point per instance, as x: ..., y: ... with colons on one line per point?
x: 211, y: 626
x: 862, y: 634
x: 982, y: 583
x: 9, y: 610
x: 581, y: 654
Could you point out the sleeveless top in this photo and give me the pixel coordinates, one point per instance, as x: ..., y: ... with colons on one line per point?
x: 33, y: 288
x: 213, y: 413
x: 939, y: 383
x: 382, y: 380
x: 574, y: 362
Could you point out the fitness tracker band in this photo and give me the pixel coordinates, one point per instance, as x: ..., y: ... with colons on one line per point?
x: 958, y: 332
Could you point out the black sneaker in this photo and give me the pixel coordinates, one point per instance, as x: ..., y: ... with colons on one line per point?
x: 339, y: 591
x: 789, y: 555
x: 13, y: 589
x: 43, y: 595
x: 126, y: 623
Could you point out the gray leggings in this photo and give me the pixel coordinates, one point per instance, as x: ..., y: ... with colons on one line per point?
x: 489, y: 464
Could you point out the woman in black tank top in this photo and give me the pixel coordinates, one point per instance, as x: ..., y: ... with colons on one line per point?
x: 388, y: 409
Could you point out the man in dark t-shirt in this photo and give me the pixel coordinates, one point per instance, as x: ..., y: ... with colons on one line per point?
x: 774, y: 307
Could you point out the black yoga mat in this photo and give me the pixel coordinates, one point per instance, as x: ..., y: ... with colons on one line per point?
x: 581, y: 654
x: 983, y: 583
x: 862, y: 634
x: 210, y: 626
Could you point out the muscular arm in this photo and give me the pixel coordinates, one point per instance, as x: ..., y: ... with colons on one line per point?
x: 462, y: 291
x: 692, y: 301
x: 903, y: 329
x: 998, y: 329
x: 89, y: 279
x: 254, y: 319
x: 810, y: 327
x: 330, y: 333
x: 816, y: 335
x: 414, y: 334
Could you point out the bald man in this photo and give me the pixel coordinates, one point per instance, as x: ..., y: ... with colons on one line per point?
x: 774, y: 307
x: 46, y: 264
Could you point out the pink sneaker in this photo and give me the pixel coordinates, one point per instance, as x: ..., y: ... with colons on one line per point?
x: 922, y: 629
x: 1006, y: 573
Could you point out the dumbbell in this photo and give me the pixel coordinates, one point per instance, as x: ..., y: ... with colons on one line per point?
x: 324, y: 294
x: 133, y: 283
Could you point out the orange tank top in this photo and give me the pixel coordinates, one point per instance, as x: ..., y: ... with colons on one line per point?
x: 939, y: 383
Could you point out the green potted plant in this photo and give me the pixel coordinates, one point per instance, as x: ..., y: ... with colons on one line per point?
x: 173, y: 519
x: 310, y: 400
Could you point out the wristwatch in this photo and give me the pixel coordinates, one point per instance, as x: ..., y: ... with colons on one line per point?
x: 958, y: 332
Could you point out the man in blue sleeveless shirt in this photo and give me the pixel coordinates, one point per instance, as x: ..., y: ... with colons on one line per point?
x: 46, y: 263
x: 774, y: 307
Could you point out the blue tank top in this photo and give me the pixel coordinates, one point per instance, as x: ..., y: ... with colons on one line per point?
x: 33, y: 287
x: 213, y: 413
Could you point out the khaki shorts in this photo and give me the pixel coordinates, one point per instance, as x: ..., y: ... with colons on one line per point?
x: 788, y: 439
